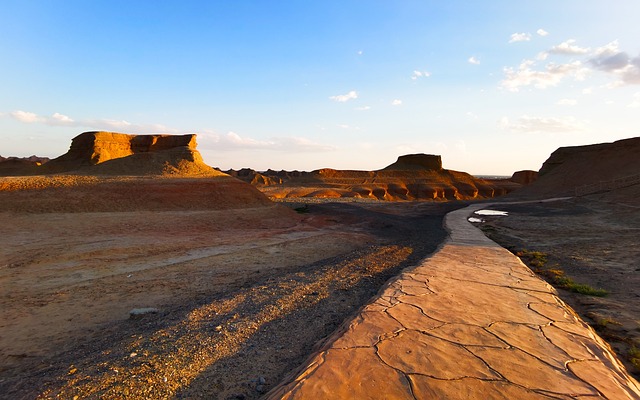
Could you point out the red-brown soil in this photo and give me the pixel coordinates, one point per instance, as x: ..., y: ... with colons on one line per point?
x: 243, y: 288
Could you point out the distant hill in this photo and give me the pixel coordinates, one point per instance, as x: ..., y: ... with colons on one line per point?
x: 411, y: 177
x: 20, y: 165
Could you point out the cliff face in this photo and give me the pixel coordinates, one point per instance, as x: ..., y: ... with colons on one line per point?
x: 569, y: 169
x: 112, y: 153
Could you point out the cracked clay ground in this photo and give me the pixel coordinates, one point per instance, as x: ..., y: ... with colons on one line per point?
x: 470, y: 322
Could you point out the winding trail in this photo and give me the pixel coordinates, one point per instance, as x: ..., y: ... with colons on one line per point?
x: 471, y: 321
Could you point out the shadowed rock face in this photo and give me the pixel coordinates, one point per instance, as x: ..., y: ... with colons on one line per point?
x: 569, y: 169
x: 524, y: 177
x: 110, y: 153
x: 417, y: 161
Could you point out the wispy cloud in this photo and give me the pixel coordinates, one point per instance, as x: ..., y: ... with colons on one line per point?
x: 520, y: 37
x: 473, y: 60
x: 569, y: 48
x: 542, y: 32
x: 610, y: 59
x: 396, y: 102
x: 234, y: 141
x: 363, y: 108
x: 527, y: 124
x: 552, y: 74
x: 206, y: 138
x: 342, y: 98
x: 57, y: 119
x: 420, y: 74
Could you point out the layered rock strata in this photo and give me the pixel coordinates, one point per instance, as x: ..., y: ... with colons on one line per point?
x: 112, y: 153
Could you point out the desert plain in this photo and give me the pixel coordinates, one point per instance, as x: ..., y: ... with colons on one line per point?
x: 197, y: 285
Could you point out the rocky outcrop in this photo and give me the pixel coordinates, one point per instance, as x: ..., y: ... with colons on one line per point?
x: 111, y: 153
x: 416, y: 161
x: 569, y: 169
x: 524, y: 177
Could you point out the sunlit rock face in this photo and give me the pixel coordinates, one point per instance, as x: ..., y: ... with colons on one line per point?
x: 124, y: 154
x: 411, y: 177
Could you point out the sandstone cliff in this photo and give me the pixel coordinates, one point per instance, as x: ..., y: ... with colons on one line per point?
x: 109, y: 153
x: 580, y: 169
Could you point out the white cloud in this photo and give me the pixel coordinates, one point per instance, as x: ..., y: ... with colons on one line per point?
x: 520, y: 37
x: 529, y: 124
x: 473, y: 60
x: 420, y: 74
x: 588, y: 90
x: 610, y: 59
x: 567, y: 102
x: 364, y: 108
x: 396, y: 102
x: 542, y: 32
x: 360, y: 52
x: 57, y: 119
x: 24, y: 116
x: 552, y: 74
x: 206, y: 138
x: 63, y: 119
x: 342, y: 98
x: 568, y: 48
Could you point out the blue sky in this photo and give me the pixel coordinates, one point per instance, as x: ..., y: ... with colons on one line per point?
x: 492, y: 86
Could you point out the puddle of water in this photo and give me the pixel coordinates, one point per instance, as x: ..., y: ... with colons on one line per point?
x: 491, y: 212
x: 475, y: 220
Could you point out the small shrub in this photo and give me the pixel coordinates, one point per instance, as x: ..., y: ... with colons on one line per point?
x: 634, y: 356
x: 302, y: 210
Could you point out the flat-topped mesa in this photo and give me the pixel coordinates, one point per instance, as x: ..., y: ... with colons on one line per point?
x: 125, y: 154
x: 416, y: 161
x: 98, y: 147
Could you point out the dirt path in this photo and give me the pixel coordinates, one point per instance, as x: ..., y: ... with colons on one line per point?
x: 241, y: 296
x: 593, y: 242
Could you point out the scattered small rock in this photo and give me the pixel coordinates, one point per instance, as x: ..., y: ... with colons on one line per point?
x: 137, y: 313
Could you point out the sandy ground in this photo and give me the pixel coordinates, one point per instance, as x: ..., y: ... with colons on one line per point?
x: 241, y: 296
x: 595, y: 240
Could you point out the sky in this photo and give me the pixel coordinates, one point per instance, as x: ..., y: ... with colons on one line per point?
x: 493, y: 87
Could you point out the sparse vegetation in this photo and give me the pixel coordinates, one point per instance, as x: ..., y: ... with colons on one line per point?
x: 634, y: 356
x: 302, y: 210
x: 537, y: 260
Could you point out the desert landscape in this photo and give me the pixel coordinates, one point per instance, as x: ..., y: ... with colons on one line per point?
x: 131, y: 269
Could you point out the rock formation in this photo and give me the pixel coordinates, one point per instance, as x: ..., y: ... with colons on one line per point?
x: 411, y: 177
x: 109, y: 153
x: 417, y: 162
x: 581, y: 169
x: 524, y: 177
